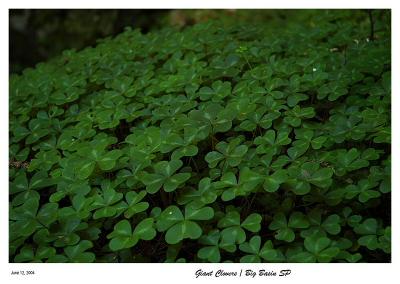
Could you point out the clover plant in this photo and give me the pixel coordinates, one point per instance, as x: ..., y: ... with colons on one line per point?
x: 212, y: 143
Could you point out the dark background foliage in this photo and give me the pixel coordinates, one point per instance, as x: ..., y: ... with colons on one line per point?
x: 37, y: 35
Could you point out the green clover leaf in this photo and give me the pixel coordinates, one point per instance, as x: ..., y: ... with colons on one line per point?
x: 122, y: 237
x: 321, y: 248
x: 231, y: 153
x: 233, y: 232
x: 179, y: 227
x: 164, y: 176
x: 284, y: 228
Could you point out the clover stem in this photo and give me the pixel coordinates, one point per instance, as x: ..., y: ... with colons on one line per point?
x: 195, y: 164
x: 259, y: 130
x: 251, y: 202
x: 157, y: 245
x: 164, y: 198
x: 212, y: 137
x: 248, y: 63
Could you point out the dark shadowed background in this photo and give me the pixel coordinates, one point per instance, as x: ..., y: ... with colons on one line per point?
x: 37, y: 35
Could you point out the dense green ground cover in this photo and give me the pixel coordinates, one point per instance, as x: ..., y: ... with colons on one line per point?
x: 220, y: 142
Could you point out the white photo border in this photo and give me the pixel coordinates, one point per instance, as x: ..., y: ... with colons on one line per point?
x: 182, y: 273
